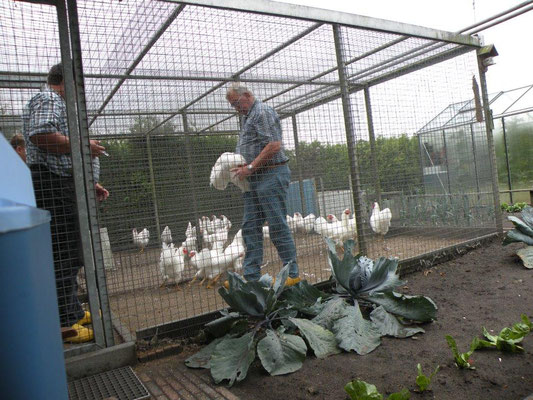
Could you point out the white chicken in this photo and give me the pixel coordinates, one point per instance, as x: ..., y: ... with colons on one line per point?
x: 309, y: 223
x: 337, y: 230
x: 171, y: 263
x: 141, y: 239
x: 266, y: 232
x: 292, y: 224
x: 380, y: 221
x: 298, y: 220
x: 211, y: 264
x: 166, y: 236
x: 221, y: 173
x: 237, y: 247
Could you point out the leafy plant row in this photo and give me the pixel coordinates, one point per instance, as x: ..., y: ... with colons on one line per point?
x: 280, y: 325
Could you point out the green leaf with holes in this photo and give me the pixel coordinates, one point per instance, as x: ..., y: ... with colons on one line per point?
x: 281, y: 353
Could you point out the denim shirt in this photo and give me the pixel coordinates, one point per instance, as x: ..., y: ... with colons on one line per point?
x: 46, y: 113
x: 260, y: 127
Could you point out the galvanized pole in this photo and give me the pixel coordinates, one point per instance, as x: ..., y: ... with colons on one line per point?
x: 299, y: 165
x: 192, y: 184
x: 350, y: 138
x: 373, y: 149
x: 323, y: 197
x: 475, y: 157
x: 490, y: 143
x: 447, y: 165
x: 507, y: 164
x: 152, y: 185
x: 79, y: 156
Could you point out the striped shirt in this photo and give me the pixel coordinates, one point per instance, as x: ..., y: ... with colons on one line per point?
x: 260, y: 127
x: 46, y: 113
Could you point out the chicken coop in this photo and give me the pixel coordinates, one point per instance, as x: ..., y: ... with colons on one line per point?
x: 372, y: 111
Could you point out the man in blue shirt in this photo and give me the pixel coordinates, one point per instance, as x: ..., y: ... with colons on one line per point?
x: 48, y: 157
x: 260, y: 143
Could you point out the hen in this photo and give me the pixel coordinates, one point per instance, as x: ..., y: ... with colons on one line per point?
x: 309, y: 223
x: 141, y: 239
x: 166, y: 236
x: 380, y: 221
x: 211, y: 264
x: 237, y: 247
x: 171, y: 263
x: 221, y: 173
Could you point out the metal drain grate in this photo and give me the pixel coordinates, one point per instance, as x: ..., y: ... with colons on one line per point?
x: 119, y: 384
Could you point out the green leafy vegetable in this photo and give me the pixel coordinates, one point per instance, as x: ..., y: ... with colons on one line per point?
x: 462, y: 360
x: 509, y: 338
x: 424, y: 381
x: 523, y: 231
x: 360, y: 390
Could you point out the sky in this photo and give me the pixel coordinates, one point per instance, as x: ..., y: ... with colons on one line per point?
x: 513, y: 66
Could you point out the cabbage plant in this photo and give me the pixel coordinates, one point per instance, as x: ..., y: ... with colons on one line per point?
x: 264, y: 321
x: 522, y: 232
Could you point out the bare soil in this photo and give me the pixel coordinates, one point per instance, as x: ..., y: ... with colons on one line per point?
x: 486, y: 287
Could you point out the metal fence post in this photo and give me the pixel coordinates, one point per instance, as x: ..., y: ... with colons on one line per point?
x: 475, y: 157
x: 152, y: 185
x: 373, y: 149
x: 490, y: 143
x: 81, y: 162
x: 507, y: 164
x: 350, y: 138
x: 191, y: 175
x: 299, y: 165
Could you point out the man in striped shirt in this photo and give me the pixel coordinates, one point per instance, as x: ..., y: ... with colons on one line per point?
x: 48, y: 157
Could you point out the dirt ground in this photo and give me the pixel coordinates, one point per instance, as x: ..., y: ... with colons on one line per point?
x: 486, y: 287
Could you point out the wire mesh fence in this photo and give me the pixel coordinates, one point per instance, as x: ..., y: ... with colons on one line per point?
x: 367, y: 119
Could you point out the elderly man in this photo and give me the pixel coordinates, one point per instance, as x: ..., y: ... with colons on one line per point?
x: 260, y: 143
x: 19, y: 145
x: 48, y: 157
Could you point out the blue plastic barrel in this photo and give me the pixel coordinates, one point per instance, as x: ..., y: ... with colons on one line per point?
x: 32, y: 364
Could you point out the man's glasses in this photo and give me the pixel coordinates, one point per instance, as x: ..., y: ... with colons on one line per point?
x: 236, y: 102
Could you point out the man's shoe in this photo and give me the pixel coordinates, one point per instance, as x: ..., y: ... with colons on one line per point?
x: 86, y: 319
x: 292, y: 281
x: 82, y: 334
x: 289, y: 282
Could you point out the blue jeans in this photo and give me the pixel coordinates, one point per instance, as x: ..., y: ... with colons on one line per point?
x: 267, y: 201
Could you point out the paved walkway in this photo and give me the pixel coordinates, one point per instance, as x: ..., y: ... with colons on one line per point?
x: 169, y: 379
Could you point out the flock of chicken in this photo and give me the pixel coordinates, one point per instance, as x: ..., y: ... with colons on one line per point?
x: 210, y: 263
x: 216, y: 258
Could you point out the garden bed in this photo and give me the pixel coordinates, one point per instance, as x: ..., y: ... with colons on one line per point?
x: 486, y: 287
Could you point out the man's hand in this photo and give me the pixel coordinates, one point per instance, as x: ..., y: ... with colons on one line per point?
x: 241, y: 172
x: 96, y: 149
x: 101, y: 192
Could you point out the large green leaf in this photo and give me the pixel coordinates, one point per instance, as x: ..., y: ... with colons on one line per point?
x: 353, y: 332
x: 341, y: 268
x: 526, y: 255
x: 388, y: 324
x: 415, y: 308
x: 219, y: 327
x: 244, y: 302
x: 321, y: 340
x: 384, y: 277
x: 516, y: 236
x: 305, y: 298
x: 202, y: 359
x: 281, y: 277
x: 527, y: 215
x: 521, y: 226
x: 332, y: 311
x: 281, y: 353
x: 360, y: 390
x: 232, y: 357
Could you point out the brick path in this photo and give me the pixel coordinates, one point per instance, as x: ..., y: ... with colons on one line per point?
x: 170, y: 379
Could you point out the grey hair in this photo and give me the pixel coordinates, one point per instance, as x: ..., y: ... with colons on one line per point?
x: 239, y: 89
